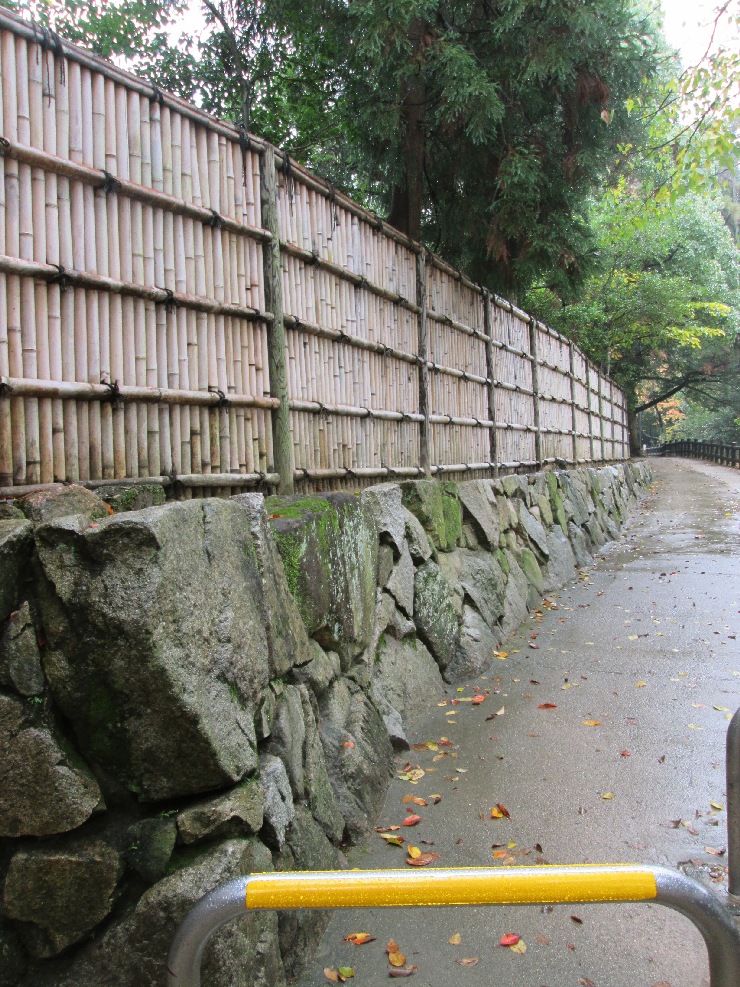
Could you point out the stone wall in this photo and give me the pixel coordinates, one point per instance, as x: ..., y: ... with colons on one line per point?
x: 202, y: 688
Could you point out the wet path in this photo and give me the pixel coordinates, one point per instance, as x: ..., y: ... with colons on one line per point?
x: 608, y: 746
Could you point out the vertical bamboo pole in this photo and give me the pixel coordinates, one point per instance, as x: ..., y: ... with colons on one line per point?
x: 533, y: 349
x: 590, y: 417
x: 488, y: 318
x: 276, y: 350
x: 574, y: 418
x: 423, y: 354
x: 601, y: 418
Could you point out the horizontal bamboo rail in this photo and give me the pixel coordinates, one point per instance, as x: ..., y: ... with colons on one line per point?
x: 181, y: 303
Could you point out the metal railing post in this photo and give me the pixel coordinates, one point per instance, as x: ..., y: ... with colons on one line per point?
x: 733, y: 806
x: 464, y: 886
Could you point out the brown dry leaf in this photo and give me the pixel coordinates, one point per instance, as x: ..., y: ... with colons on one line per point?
x: 542, y: 940
x: 331, y: 974
x: 503, y: 810
x: 455, y: 940
x: 500, y: 854
x: 435, y: 799
x: 391, y: 946
x: 714, y: 851
x: 585, y: 982
x: 663, y: 983
x: 547, y: 706
x: 405, y: 971
x: 396, y: 959
x: 423, y: 859
x: 407, y: 798
x: 417, y: 801
x: 468, y: 961
x: 501, y: 654
x: 359, y: 938
x: 576, y: 919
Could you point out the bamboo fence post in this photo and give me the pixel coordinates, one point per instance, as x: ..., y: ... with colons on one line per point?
x: 423, y: 354
x: 276, y: 343
x: 590, y: 413
x: 533, y: 349
x: 574, y: 419
x: 601, y: 419
x: 491, y: 373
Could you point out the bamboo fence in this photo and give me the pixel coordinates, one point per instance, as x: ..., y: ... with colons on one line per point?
x: 182, y: 304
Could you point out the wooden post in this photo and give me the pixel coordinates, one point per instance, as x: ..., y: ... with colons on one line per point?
x: 536, y: 390
x: 491, y: 374
x: 423, y: 354
x: 601, y: 419
x: 574, y: 420
x: 276, y: 345
x: 590, y: 416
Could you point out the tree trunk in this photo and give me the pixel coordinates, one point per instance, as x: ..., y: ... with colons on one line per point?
x: 406, y: 198
x: 634, y: 431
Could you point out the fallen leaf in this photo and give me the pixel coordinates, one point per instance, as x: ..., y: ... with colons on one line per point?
x: 721, y: 709
x: 501, y: 654
x: 392, y: 839
x: 576, y: 919
x: 510, y: 939
x: 455, y: 940
x: 405, y: 971
x: 500, y: 854
x: 477, y: 700
x: 716, y: 805
x: 590, y: 723
x: 496, y: 813
x: 607, y: 795
x: 435, y: 799
x: 414, y: 852
x: 585, y: 982
x: 396, y: 959
x: 714, y: 852
x: 359, y: 938
x: 423, y: 859
x: 391, y: 946
x: 694, y: 726
x: 345, y: 972
x: 331, y: 974
x: 411, y: 820
x: 569, y: 945
x: 640, y: 684
x: 542, y: 940
x: 625, y: 754
x: 632, y: 637
x: 519, y: 947
x: 469, y: 961
x: 547, y: 706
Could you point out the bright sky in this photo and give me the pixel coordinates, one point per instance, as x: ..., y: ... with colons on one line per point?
x: 688, y: 26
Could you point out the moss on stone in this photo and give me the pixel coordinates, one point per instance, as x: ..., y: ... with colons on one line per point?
x: 528, y: 562
x: 503, y: 561
x: 437, y: 507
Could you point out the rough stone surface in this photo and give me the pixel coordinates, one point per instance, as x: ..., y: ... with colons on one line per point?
x: 9, y: 512
x: 528, y: 563
x: 419, y: 545
x: 384, y: 505
x: 437, y: 507
x: 236, y: 813
x: 300, y: 930
x: 401, y: 583
x: 515, y: 597
x: 579, y: 544
x: 533, y: 530
x: 359, y: 760
x: 595, y: 533
x: 60, y: 895
x: 149, y: 847
x: 135, y: 497
x: 278, y: 806
x: 405, y: 676
x: 319, y: 673
x: 133, y: 952
x: 161, y: 686
x: 386, y: 561
x: 482, y: 580
x: 13, y: 958
x: 20, y: 659
x: 479, y: 508
x: 16, y: 541
x: 561, y: 563
x: 287, y: 640
x: 63, y: 501
x: 319, y: 791
x: 434, y: 614
x: 288, y: 737
x: 474, y: 653
x: 46, y: 788
x: 329, y: 550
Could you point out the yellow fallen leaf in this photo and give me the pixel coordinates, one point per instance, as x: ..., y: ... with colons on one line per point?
x: 607, y: 795
x: 590, y: 723
x: 511, y: 845
x: 640, y: 684
x: 716, y: 805
x: 455, y: 940
x: 396, y: 959
x: 519, y: 947
x: 414, y: 852
x: 496, y: 813
x: 694, y: 726
x: 501, y: 654
x: 632, y: 637
x: 721, y: 709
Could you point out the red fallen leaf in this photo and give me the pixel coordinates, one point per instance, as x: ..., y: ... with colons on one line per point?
x: 569, y: 945
x: 585, y: 982
x: 510, y: 939
x: 411, y: 820
x: 405, y: 971
x: 547, y: 706
x: 625, y: 753
x: 444, y: 742
x: 349, y: 744
x: 423, y: 859
x: 478, y: 699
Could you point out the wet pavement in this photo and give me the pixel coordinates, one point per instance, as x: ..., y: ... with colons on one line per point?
x: 608, y: 746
